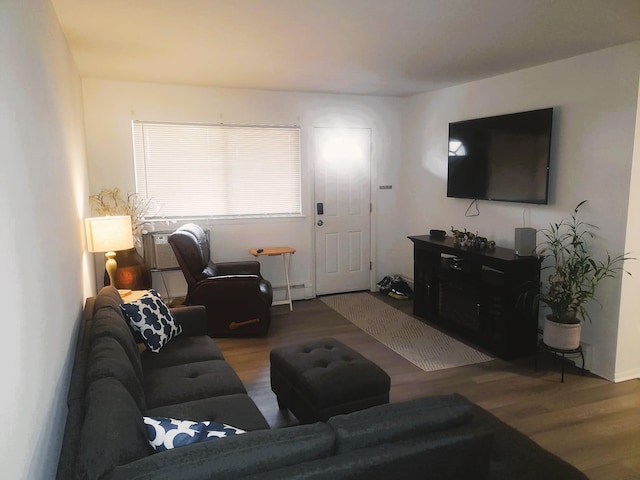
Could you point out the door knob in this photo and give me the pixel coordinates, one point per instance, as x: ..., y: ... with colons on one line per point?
x: 320, y: 223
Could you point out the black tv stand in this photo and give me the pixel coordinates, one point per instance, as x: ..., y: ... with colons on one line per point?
x: 482, y: 295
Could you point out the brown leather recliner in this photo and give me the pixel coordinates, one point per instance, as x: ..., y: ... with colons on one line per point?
x: 237, y: 298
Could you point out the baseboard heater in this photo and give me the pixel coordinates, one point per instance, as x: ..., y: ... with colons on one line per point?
x: 284, y: 287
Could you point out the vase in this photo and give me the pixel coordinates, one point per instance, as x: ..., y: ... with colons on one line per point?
x: 562, y: 336
x: 132, y: 272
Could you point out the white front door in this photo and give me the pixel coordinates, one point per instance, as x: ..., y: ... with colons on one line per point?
x: 342, y: 209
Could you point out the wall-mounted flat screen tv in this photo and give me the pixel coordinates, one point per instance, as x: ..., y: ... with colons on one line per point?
x: 504, y: 158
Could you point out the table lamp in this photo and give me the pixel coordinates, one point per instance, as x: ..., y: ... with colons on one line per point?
x: 109, y: 234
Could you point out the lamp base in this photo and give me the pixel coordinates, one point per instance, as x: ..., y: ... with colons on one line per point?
x: 110, y: 265
x: 132, y: 273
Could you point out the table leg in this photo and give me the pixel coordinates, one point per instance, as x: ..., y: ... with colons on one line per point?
x: 286, y: 262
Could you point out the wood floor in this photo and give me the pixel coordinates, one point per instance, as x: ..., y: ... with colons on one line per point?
x: 590, y: 422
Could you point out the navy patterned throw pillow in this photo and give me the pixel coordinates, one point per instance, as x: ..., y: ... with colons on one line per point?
x: 152, y: 319
x: 167, y: 433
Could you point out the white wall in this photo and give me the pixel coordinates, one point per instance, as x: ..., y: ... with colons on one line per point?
x: 45, y: 275
x: 595, y: 98
x: 627, y: 362
x: 44, y: 187
x: 111, y: 106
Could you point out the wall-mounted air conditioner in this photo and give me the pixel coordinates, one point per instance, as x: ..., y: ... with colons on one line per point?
x: 158, y: 254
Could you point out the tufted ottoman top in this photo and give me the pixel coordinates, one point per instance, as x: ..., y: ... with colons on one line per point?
x: 329, y: 372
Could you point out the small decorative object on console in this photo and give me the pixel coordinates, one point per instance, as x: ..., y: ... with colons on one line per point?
x: 437, y: 233
x: 469, y: 239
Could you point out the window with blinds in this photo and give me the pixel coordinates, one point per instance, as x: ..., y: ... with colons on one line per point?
x: 209, y: 170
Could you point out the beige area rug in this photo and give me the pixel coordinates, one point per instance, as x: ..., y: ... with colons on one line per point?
x: 416, y: 341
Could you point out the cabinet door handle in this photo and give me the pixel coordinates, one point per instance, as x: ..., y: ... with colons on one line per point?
x: 428, y: 289
x: 478, y: 309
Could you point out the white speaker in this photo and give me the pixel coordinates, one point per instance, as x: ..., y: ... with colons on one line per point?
x: 525, y: 242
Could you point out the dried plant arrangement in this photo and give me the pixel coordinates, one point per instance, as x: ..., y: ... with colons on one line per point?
x: 111, y: 201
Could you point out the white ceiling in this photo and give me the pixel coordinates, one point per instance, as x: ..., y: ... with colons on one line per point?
x: 380, y: 47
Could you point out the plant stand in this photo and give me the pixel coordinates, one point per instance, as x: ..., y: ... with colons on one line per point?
x: 559, y: 352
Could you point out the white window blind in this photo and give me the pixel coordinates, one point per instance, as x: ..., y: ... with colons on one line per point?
x: 195, y: 170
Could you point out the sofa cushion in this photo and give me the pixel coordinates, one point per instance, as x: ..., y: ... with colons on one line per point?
x: 109, y: 322
x: 113, y: 432
x: 193, y: 319
x: 108, y: 359
x: 398, y: 421
x: 108, y: 297
x: 167, y: 433
x: 182, y: 350
x: 460, y: 455
x: 193, y: 381
x: 237, y: 409
x: 150, y: 316
x: 235, y: 457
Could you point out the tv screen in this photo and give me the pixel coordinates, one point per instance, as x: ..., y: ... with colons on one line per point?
x: 504, y: 158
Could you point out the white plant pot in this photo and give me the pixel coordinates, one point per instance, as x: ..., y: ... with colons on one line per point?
x: 563, y: 336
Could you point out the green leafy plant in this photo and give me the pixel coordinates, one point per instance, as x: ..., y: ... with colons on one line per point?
x: 575, y: 275
x: 110, y: 201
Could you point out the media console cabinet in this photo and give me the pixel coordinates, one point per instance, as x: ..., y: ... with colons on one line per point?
x: 483, y: 295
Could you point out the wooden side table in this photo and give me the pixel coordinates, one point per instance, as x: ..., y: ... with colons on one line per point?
x: 131, y: 295
x: 286, y: 253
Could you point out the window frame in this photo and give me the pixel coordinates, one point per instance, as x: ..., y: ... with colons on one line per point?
x: 296, y: 180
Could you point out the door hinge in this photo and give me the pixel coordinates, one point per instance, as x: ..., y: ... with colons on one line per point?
x: 370, y: 265
x: 370, y: 207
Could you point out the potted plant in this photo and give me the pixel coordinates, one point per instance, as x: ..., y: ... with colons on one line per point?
x: 573, y: 279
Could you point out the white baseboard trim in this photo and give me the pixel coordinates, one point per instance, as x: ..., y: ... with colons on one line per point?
x: 628, y: 375
x: 299, y: 291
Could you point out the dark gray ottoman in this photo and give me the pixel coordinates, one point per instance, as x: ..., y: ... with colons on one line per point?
x: 318, y: 379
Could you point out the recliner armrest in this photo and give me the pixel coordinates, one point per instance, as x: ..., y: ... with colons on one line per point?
x: 231, y: 289
x: 250, y: 267
x: 193, y: 319
x: 222, y: 282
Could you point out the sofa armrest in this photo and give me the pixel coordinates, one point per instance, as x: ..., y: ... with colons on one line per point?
x: 193, y: 319
x: 398, y: 421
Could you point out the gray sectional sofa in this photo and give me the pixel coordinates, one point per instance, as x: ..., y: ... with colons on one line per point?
x: 114, y: 385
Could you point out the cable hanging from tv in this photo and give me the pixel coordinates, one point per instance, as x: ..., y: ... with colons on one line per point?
x: 477, y: 212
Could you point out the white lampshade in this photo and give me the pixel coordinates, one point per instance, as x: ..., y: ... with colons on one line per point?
x: 109, y: 234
